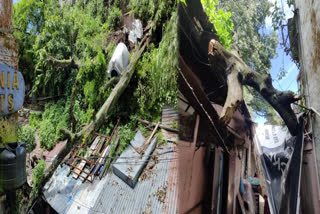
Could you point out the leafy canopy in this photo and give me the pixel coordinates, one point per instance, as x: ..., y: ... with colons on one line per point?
x: 68, y: 50
x: 256, y: 45
x: 221, y: 20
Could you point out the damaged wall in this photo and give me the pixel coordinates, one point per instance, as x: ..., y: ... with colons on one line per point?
x: 8, y: 49
x: 308, y: 12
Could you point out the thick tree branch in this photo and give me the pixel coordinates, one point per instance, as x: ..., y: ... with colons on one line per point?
x: 85, y: 134
x: 238, y: 74
x: 63, y: 63
x: 221, y: 72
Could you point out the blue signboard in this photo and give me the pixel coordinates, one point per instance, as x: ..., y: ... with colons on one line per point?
x: 12, y: 90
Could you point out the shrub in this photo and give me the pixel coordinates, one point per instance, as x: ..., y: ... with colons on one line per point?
x: 27, y: 134
x: 38, y: 172
x: 34, y: 120
x: 47, y: 134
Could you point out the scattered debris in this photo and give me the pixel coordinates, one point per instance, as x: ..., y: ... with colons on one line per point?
x: 121, y: 168
x: 161, y: 193
x: 148, y: 171
x: 119, y: 61
x: 148, y: 211
x: 136, y: 32
x: 114, y: 183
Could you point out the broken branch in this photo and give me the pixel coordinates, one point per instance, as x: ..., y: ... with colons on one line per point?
x: 160, y: 125
x: 238, y: 74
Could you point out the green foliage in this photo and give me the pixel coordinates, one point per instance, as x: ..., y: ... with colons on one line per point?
x: 82, y: 152
x: 152, y: 10
x: 28, y: 21
x: 47, y: 134
x: 114, y: 17
x: 160, y: 139
x: 255, y: 45
x: 278, y: 16
x: 37, y: 173
x: 90, y: 75
x: 80, y: 34
x: 27, y: 134
x: 143, y: 130
x: 50, y: 31
x: 126, y: 133
x: 221, y: 21
x: 34, y: 120
x: 158, y: 74
x: 183, y: 1
x: 174, y: 124
x: 54, y: 117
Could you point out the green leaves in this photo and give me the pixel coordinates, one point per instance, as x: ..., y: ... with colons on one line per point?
x: 47, y: 134
x: 37, y: 173
x: 158, y: 74
x: 183, y: 1
x: 27, y: 134
x: 221, y: 21
x: 255, y: 44
x: 148, y: 10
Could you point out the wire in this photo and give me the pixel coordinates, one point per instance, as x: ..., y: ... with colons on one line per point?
x: 32, y: 206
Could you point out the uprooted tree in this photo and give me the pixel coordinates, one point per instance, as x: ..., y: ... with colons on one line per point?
x: 69, y: 49
x: 222, y: 73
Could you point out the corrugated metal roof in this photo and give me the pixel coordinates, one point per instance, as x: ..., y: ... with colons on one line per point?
x: 169, y: 116
x: 112, y: 195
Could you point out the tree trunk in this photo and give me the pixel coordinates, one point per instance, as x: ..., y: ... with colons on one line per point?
x: 238, y: 74
x: 222, y: 73
x: 82, y: 137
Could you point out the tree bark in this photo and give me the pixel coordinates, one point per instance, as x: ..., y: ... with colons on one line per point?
x: 64, y: 62
x: 82, y: 137
x: 222, y: 73
x: 238, y: 74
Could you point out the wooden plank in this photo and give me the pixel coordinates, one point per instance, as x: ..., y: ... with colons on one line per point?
x: 108, y: 161
x: 90, y: 162
x: 95, y: 143
x: 73, y: 161
x: 79, y: 169
x: 160, y: 125
x: 101, y: 135
x: 113, y: 134
x: 99, y: 146
x: 83, y: 162
x: 140, y: 150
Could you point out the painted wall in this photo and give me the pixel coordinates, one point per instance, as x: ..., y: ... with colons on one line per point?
x: 309, y: 54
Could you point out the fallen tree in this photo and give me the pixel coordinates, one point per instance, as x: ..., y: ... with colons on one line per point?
x: 223, y: 73
x: 86, y: 133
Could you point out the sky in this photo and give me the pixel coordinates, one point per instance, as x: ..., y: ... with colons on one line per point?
x: 282, y: 60
x: 288, y: 82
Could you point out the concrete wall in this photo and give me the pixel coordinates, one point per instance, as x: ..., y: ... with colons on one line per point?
x: 309, y: 56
